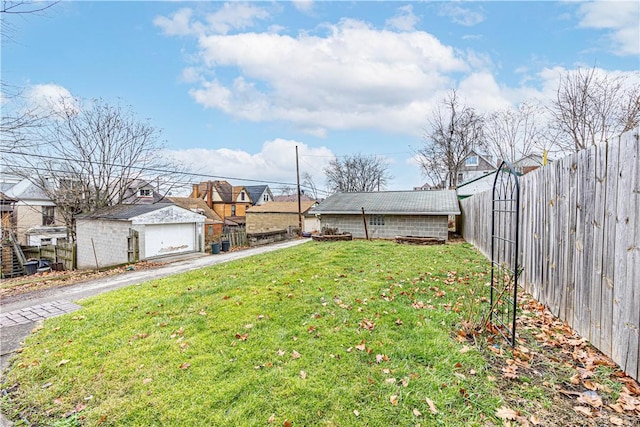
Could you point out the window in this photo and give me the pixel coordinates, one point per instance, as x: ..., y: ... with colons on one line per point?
x: 145, y: 192
x: 242, y: 196
x: 265, y: 197
x: 233, y: 210
x: 471, y: 161
x: 376, y: 220
x: 460, y: 177
x: 48, y: 215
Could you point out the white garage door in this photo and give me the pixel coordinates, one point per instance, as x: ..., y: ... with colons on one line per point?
x: 166, y: 239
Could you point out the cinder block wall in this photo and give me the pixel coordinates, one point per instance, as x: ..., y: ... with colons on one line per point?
x: 109, y: 239
x: 259, y: 222
x: 394, y: 225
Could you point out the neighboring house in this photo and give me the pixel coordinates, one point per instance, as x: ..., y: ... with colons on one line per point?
x: 293, y: 198
x: 476, y: 185
x: 529, y: 163
x: 475, y: 165
x: 34, y: 212
x: 139, y: 191
x: 260, y: 194
x: 6, y: 228
x: 213, y: 224
x: 228, y: 201
x: 390, y: 213
x: 125, y: 233
x: 280, y: 216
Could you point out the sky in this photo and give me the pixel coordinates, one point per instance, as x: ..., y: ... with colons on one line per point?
x: 236, y: 86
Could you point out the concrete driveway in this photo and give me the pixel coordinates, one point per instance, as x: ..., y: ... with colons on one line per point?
x: 20, y: 314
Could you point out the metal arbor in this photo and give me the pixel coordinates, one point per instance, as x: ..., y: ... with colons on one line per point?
x: 505, y: 220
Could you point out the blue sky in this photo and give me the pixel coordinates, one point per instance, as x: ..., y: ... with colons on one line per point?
x: 236, y: 86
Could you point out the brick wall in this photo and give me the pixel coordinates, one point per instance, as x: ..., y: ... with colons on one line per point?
x: 109, y: 239
x: 394, y: 225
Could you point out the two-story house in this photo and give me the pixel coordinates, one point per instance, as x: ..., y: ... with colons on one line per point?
x: 35, y: 220
x: 230, y: 202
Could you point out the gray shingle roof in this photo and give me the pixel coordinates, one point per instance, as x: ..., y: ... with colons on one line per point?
x: 440, y: 202
x: 124, y: 212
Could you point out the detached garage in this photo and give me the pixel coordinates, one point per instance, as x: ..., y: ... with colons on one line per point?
x: 126, y: 233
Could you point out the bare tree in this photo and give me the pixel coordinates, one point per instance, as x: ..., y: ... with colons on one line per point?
x: 307, y: 182
x: 90, y: 155
x: 357, y: 173
x: 455, y: 131
x: 513, y: 133
x: 591, y: 107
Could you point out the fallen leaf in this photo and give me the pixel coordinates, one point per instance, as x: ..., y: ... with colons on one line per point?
x: 432, y: 406
x: 416, y: 412
x: 295, y: 355
x: 303, y: 375
x: 286, y: 423
x: 361, y: 346
x: 146, y: 380
x: 272, y: 419
x: 356, y: 413
x: 465, y: 349
x: 534, y: 420
x: 506, y: 413
x: 590, y: 398
x: 281, y: 353
x: 185, y: 365
x: 615, y: 420
x: 390, y: 380
x: 203, y: 313
x: 394, y: 399
x: 63, y: 362
x: 583, y: 410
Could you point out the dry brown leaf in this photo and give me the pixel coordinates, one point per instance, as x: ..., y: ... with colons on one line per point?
x: 432, y: 406
x: 615, y: 420
x: 295, y: 355
x: 590, y: 398
x: 416, y: 412
x: 185, y: 365
x: 303, y: 375
x: 506, y: 413
x: 281, y: 353
x: 272, y: 419
x: 146, y: 380
x: 394, y: 399
x: 465, y: 349
x: 356, y: 413
x: 286, y: 423
x: 63, y: 362
x: 535, y: 420
x: 361, y: 346
x: 583, y: 410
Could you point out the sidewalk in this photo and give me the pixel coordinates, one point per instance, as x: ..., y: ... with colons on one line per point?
x: 19, y: 314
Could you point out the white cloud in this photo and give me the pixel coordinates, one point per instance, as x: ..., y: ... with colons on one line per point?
x: 354, y: 76
x: 50, y: 97
x: 405, y: 20
x: 303, y: 5
x: 621, y: 18
x: 275, y: 162
x: 231, y: 16
x: 462, y: 15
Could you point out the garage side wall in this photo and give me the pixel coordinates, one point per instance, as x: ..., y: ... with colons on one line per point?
x: 394, y: 225
x: 109, y: 240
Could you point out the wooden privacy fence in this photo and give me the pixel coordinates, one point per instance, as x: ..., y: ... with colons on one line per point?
x: 580, y: 243
x: 62, y: 252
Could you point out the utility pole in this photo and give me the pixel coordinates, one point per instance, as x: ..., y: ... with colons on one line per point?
x: 299, y: 204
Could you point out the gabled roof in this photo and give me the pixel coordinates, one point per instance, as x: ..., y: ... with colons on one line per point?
x: 124, y: 212
x: 293, y: 198
x: 282, y: 207
x: 225, y: 190
x: 436, y: 202
x: 256, y: 191
x: 26, y: 190
x: 237, y: 189
x: 197, y: 205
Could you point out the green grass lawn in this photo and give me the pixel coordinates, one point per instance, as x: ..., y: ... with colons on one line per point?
x: 343, y: 333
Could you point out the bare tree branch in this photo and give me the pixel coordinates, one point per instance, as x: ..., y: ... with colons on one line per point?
x: 455, y: 131
x: 357, y: 173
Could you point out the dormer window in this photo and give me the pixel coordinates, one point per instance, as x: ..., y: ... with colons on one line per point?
x: 145, y: 192
x: 471, y: 161
x: 242, y: 196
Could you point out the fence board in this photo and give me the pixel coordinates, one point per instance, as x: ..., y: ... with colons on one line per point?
x: 579, y: 243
